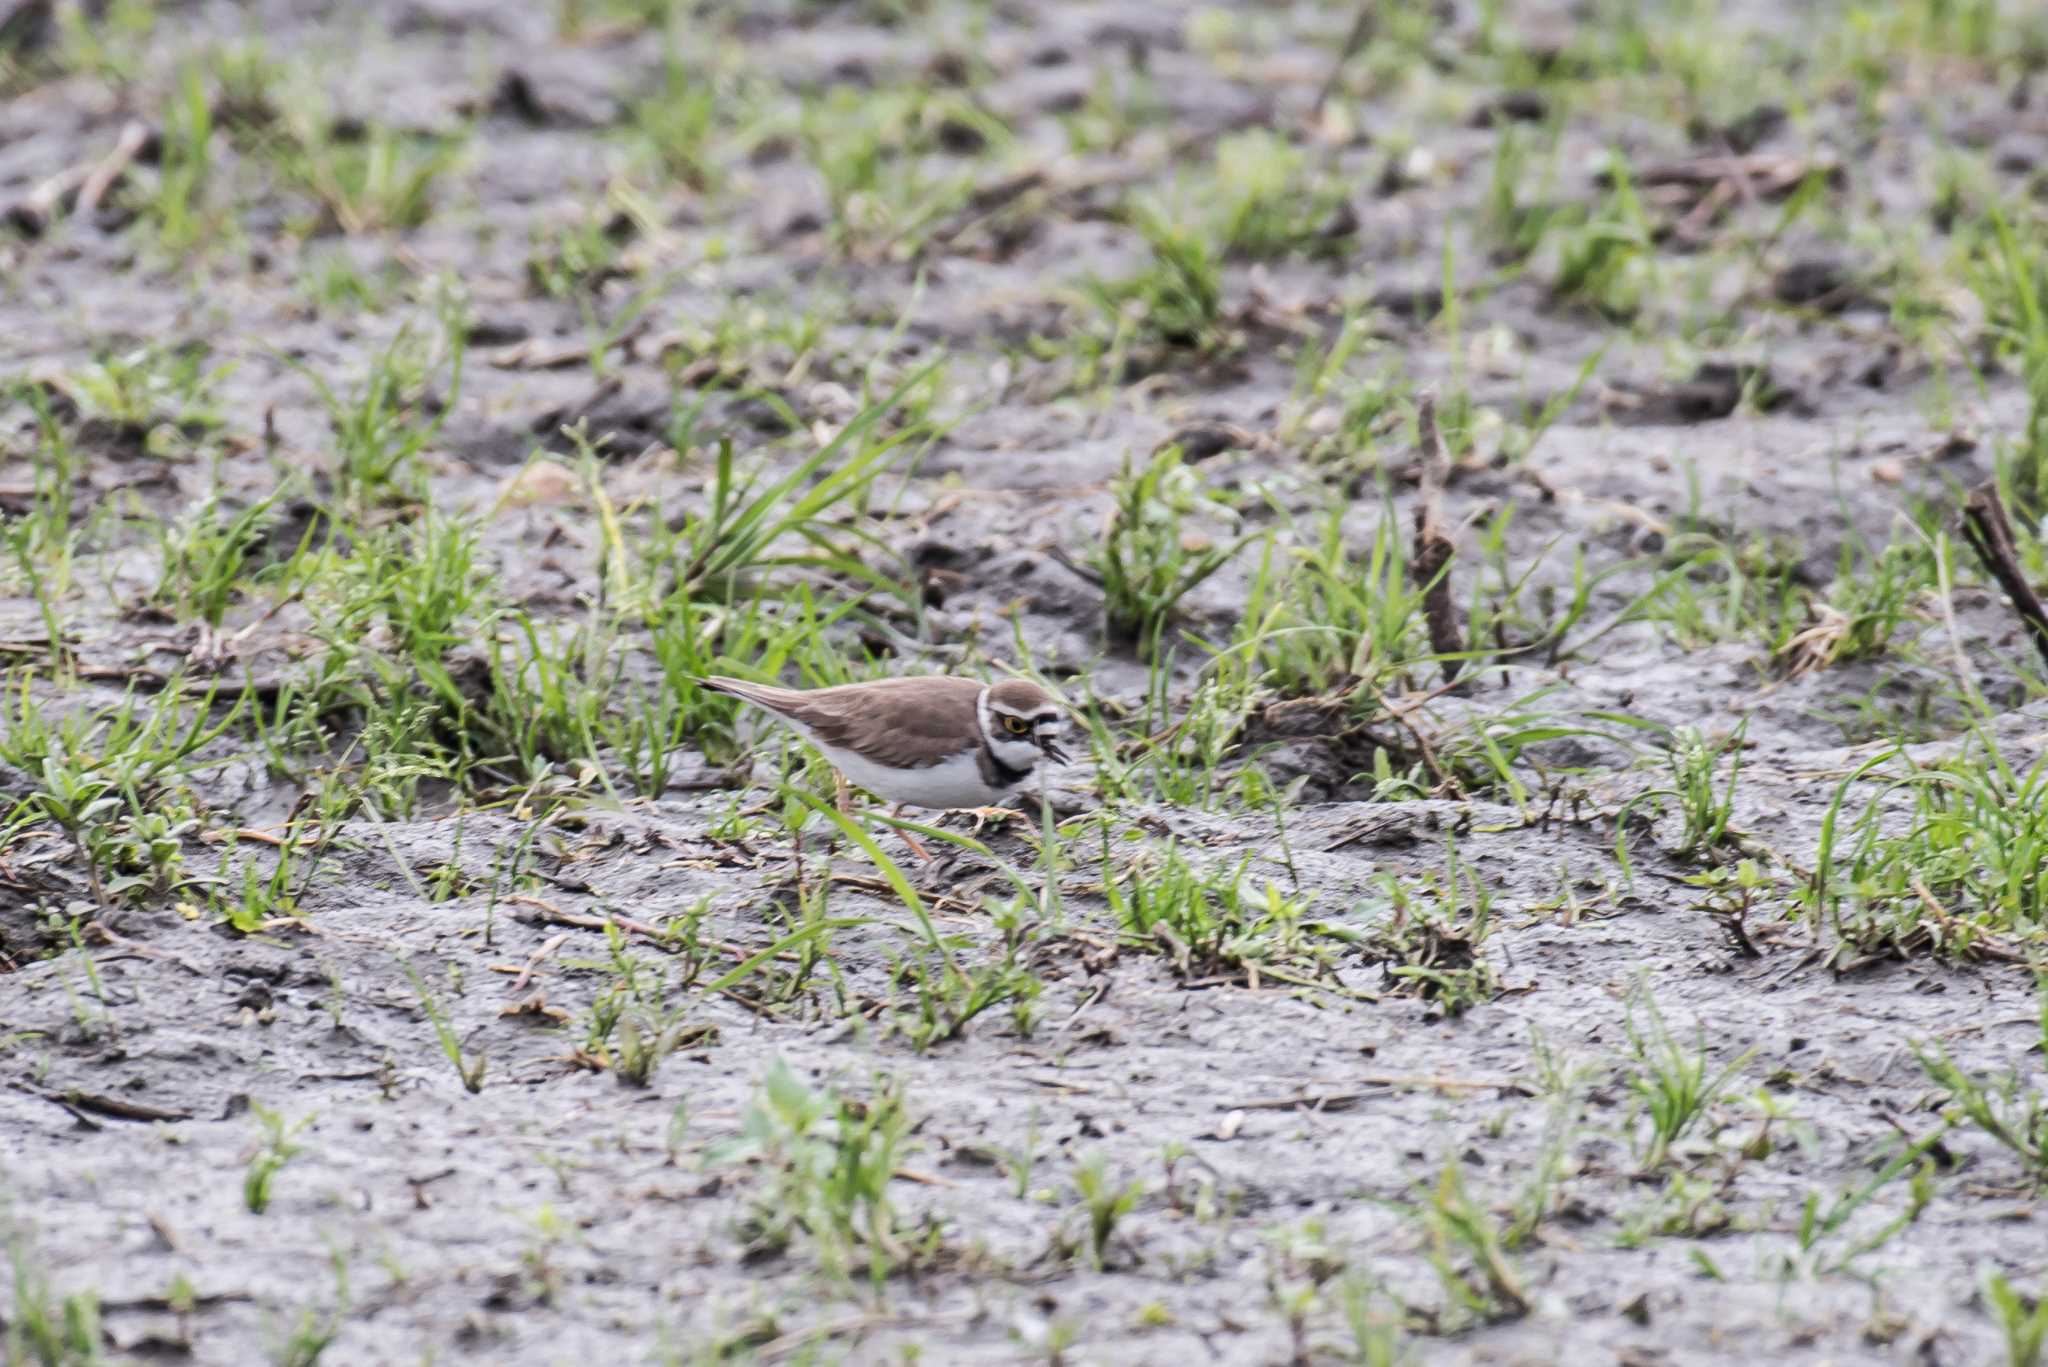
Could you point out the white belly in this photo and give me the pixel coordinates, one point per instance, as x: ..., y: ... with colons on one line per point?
x: 955, y: 782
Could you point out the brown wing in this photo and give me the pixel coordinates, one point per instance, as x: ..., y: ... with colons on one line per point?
x: 905, y: 723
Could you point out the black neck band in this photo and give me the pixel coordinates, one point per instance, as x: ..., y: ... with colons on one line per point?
x: 997, y: 774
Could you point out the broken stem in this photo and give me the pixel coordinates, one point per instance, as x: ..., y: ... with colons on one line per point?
x: 1989, y: 532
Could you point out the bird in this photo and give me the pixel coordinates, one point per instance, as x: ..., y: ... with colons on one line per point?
x: 927, y: 740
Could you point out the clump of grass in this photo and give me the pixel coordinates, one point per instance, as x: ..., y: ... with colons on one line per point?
x: 946, y: 996
x: 636, y: 1022
x: 1431, y: 938
x: 1334, y: 410
x: 164, y: 398
x: 680, y: 124
x: 469, y: 1069
x: 2009, y: 272
x: 748, y: 527
x: 365, y: 179
x: 333, y: 282
x: 310, y: 1337
x: 105, y: 780
x: 1955, y: 873
x: 583, y: 20
x: 1193, y: 755
x: 205, y: 557
x: 1209, y: 923
x: 1105, y: 1202
x: 400, y: 613
x: 2024, y: 1325
x: 824, y: 1164
x: 1608, y: 263
x: 1675, y: 1085
x: 1718, y: 588
x: 1706, y: 805
x: 874, y: 152
x: 2009, y: 1109
x: 1268, y: 201
x: 1324, y: 619
x: 249, y: 903
x: 1465, y: 1245
x: 1871, y: 598
x: 274, y: 1148
x: 177, y: 206
x: 383, y: 425
x: 1174, y: 302
x: 1517, y: 212
x: 401, y: 609
x: 43, y: 1327
x: 579, y: 257
x: 1148, y: 561
x: 1121, y: 102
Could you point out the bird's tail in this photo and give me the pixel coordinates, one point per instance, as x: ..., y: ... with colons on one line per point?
x: 760, y: 695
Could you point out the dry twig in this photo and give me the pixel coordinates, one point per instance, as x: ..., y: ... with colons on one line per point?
x: 1989, y: 533
x: 1430, y: 560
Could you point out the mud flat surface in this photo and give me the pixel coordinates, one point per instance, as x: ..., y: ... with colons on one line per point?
x: 1623, y: 952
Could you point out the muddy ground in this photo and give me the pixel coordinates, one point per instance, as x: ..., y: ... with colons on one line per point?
x: 1278, y: 1167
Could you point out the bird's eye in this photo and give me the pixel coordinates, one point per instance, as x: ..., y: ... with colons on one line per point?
x: 1016, y: 726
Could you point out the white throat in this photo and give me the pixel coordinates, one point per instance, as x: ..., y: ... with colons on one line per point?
x: 1016, y: 752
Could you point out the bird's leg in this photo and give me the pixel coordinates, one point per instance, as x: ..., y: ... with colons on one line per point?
x: 843, y: 794
x: 916, y: 847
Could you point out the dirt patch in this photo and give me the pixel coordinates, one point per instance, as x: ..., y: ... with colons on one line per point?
x: 402, y: 956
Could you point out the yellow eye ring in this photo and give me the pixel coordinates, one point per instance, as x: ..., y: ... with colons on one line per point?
x: 1016, y: 726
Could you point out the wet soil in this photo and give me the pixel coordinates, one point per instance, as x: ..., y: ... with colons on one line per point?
x: 1276, y: 1135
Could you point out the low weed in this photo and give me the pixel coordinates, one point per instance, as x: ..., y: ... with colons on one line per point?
x: 2010, y: 1109
x: 2023, y: 1320
x: 1105, y: 1203
x: 274, y: 1148
x: 643, y: 1017
x: 1465, y: 1245
x: 1148, y: 561
x: 1429, y: 936
x: 1676, y: 1085
x: 1209, y: 924
x: 823, y: 1164
x: 469, y: 1069
x: 381, y: 427
x: 1943, y: 858
x: 1706, y: 804
x: 1172, y: 303
x: 43, y: 1327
